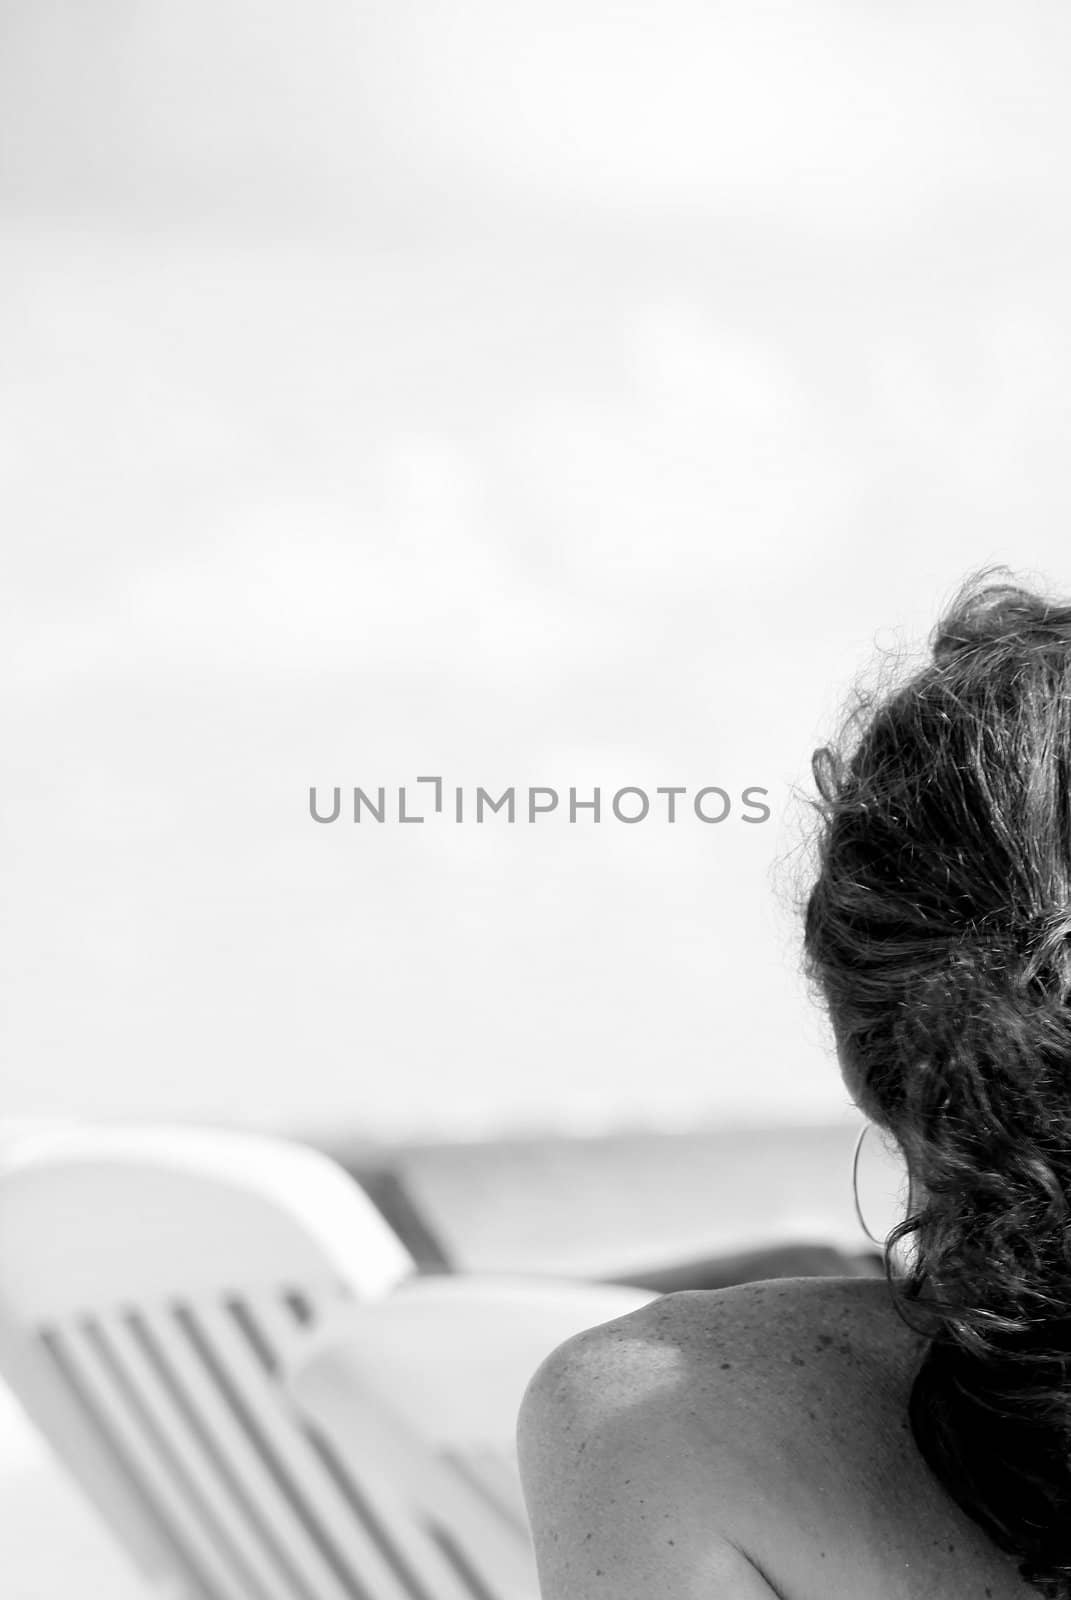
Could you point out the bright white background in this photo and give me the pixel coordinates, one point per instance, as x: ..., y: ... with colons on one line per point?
x: 565, y: 394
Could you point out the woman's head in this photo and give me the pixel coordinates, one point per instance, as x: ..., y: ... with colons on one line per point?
x: 939, y: 931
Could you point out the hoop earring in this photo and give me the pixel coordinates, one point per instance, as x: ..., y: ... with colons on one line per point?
x: 859, y: 1217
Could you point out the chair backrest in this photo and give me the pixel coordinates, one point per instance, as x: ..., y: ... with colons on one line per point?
x: 153, y: 1286
x: 416, y: 1396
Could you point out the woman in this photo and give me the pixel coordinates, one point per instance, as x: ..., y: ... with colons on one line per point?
x: 862, y: 1437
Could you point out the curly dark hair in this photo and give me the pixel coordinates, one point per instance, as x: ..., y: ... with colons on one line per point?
x: 939, y: 933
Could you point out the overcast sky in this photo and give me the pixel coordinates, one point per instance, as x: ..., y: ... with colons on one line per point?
x: 565, y: 395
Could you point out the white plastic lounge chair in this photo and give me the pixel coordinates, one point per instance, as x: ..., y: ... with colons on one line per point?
x: 152, y: 1285
x: 158, y: 1287
x: 416, y: 1397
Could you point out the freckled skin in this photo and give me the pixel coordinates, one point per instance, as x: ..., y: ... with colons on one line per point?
x: 771, y: 1418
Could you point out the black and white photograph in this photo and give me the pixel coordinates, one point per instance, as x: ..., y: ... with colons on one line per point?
x: 535, y: 800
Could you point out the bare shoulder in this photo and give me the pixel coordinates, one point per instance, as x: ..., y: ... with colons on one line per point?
x: 628, y: 1490
x: 744, y: 1442
x: 748, y: 1351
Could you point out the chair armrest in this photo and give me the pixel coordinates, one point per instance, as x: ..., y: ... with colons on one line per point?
x: 454, y: 1354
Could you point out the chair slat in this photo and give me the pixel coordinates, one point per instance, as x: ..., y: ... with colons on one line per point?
x: 177, y: 1405
x: 270, y: 1512
x: 462, y: 1524
x: 246, y: 1429
x: 494, y: 1475
x: 91, y: 1368
x: 376, y: 1501
x: 486, y: 1552
x: 394, y: 1522
x: 34, y: 1363
x: 345, y: 1547
x: 460, y: 1562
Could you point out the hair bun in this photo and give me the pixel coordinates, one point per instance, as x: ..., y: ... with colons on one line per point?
x: 1046, y: 944
x: 997, y: 613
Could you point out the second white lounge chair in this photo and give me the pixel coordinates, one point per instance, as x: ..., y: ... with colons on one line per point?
x: 417, y: 1396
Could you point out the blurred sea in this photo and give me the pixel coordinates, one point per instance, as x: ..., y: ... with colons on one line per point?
x: 598, y: 1206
